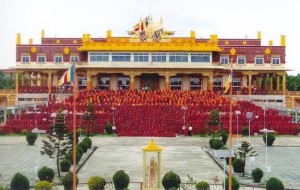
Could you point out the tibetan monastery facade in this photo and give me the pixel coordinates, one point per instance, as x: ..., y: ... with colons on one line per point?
x: 151, y: 59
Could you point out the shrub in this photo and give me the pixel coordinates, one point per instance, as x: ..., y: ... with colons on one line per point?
x: 43, y: 185
x: 238, y: 165
x: 217, y: 144
x: 170, y: 180
x: 96, y: 183
x: 202, y: 185
x: 235, y: 185
x: 274, y: 184
x: 67, y: 181
x: 79, y: 149
x: 108, y: 128
x: 84, y: 146
x: 88, y: 141
x: 211, y: 142
x: 270, y: 140
x: 46, y: 174
x: 121, y: 180
x: 65, y: 165
x: 224, y: 136
x: 69, y: 156
x: 31, y: 138
x: 257, y: 175
x: 245, y: 130
x: 24, y: 131
x: 19, y: 181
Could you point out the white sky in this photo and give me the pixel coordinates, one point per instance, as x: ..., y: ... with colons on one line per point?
x: 227, y: 18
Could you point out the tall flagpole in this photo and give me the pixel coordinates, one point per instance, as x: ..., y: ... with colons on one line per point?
x: 232, y: 53
x: 74, y: 125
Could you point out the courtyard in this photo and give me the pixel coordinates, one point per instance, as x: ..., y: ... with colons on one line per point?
x: 183, y: 155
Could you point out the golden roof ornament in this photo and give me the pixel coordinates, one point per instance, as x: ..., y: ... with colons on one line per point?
x: 148, y: 31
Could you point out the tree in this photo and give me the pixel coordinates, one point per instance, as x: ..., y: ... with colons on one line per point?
x: 89, y: 119
x: 245, y: 151
x: 214, y: 122
x: 58, y: 142
x: 6, y: 82
x: 293, y: 82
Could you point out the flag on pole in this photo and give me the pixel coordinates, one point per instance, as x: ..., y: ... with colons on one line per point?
x: 228, y: 82
x: 137, y: 27
x: 67, y: 77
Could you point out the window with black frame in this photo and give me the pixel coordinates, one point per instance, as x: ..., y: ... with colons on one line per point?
x: 123, y: 83
x: 104, y: 83
x: 175, y: 83
x: 195, y: 83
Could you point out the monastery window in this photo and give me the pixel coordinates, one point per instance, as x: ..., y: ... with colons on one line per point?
x: 241, y: 60
x: 123, y: 83
x: 195, y: 83
x: 259, y: 60
x: 41, y: 59
x: 104, y: 83
x: 121, y: 57
x: 175, y: 83
x: 200, y: 57
x: 82, y: 81
x: 224, y: 60
x: 58, y: 58
x: 236, y: 83
x: 141, y: 57
x: 275, y: 60
x: 159, y: 57
x: 98, y: 57
x: 25, y: 58
x: 74, y: 58
x: 178, y: 57
x: 217, y: 84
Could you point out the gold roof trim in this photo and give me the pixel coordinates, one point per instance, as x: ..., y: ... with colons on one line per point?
x: 177, y: 44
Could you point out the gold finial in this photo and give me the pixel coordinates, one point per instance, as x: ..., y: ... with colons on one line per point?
x: 18, y: 41
x: 258, y: 35
x: 30, y: 41
x: 193, y: 34
x: 270, y: 42
x: 282, y: 40
x: 43, y: 34
x: 214, y: 38
x: 108, y: 34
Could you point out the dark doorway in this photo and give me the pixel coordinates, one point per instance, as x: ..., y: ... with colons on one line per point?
x: 149, y: 81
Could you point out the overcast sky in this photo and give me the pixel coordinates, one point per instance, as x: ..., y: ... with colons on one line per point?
x: 72, y: 18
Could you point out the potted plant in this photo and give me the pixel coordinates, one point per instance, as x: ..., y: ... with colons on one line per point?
x: 257, y: 175
x: 121, y: 180
x: 170, y: 180
x: 274, y: 183
x: 96, y: 183
x: 67, y: 181
x: 31, y: 138
x: 235, y: 185
x: 202, y: 185
x: 270, y: 138
x: 19, y: 181
x: 238, y: 165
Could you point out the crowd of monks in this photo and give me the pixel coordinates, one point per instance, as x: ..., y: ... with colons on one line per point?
x: 151, y: 113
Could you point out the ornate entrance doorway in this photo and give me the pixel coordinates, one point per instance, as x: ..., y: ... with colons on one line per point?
x: 149, y: 82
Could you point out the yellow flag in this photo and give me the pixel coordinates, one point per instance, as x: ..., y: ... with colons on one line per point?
x: 228, y: 83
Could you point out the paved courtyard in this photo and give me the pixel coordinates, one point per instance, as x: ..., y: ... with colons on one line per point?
x: 183, y: 155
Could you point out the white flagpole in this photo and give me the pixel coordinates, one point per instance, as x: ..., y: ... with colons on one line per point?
x: 74, y: 125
